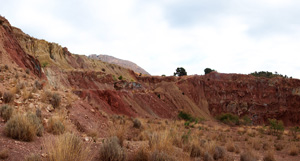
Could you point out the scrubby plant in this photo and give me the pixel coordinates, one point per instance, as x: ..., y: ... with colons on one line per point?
x: 67, y: 147
x: 185, y: 116
x: 276, y: 127
x: 20, y: 128
x: 55, y: 126
x: 38, y: 113
x: 6, y: 112
x: 140, y: 155
x: 111, y: 150
x: 279, y: 146
x: 293, y: 150
x: 160, y: 156
x: 248, y: 156
x: 207, y: 157
x: 120, y: 77
x: 137, y: 123
x: 36, y: 122
x: 8, y: 97
x: 246, y: 120
x: 269, y: 156
x: 55, y: 100
x: 228, y: 118
x: 219, y: 153
x: 196, y: 151
x: 38, y: 85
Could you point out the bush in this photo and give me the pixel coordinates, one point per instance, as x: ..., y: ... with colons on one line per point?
x: 293, y: 151
x: 219, y: 153
x: 120, y: 77
x: 228, y: 118
x: 137, y: 123
x: 6, y: 112
x: 207, y: 157
x: 55, y: 100
x: 269, y: 156
x: 196, y: 151
x: 248, y: 156
x: 186, y: 116
x: 36, y: 122
x: 276, y: 127
x: 208, y: 70
x: 141, y: 155
x: 38, y: 85
x: 8, y: 97
x: 55, y: 126
x: 67, y: 147
x: 160, y: 156
x: 111, y: 150
x: 20, y: 128
x: 33, y: 157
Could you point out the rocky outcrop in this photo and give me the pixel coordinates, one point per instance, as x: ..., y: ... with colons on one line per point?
x: 122, y: 63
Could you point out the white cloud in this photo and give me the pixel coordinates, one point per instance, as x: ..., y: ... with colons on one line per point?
x: 232, y: 36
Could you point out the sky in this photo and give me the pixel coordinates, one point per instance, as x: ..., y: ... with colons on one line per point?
x: 232, y: 36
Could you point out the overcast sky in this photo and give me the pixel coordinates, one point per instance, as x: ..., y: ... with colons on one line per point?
x: 232, y: 36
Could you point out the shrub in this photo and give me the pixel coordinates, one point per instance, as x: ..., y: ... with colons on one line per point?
x: 67, y: 147
x: 33, y: 157
x: 207, y: 157
x: 208, y: 70
x: 230, y: 147
x: 228, y: 118
x: 141, y: 155
x: 6, y: 112
x: 269, y: 156
x: 276, y: 127
x: 196, y: 151
x: 38, y: 113
x: 160, y: 156
x: 248, y: 156
x: 185, y: 116
x: 120, y: 77
x: 278, y: 146
x: 20, y: 128
x: 55, y: 100
x: 219, y: 153
x: 293, y: 151
x: 55, y: 126
x: 8, y: 97
x: 36, y: 122
x: 38, y: 85
x: 4, y: 154
x: 246, y: 120
x: 111, y: 150
x: 137, y: 123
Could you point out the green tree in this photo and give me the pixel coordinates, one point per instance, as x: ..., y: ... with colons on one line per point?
x: 180, y: 71
x: 208, y: 70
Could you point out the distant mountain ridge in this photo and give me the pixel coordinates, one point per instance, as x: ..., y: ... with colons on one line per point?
x: 120, y: 62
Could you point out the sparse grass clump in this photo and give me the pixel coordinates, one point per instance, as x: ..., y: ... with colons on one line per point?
x: 248, y: 156
x: 293, y: 150
x: 137, y: 123
x: 140, y: 155
x: 55, y: 100
x: 207, y: 157
x: 6, y: 112
x: 219, y: 153
x: 269, y: 156
x: 279, y: 146
x: 67, y: 147
x: 38, y: 85
x: 8, y: 97
x: 20, y: 128
x: 160, y: 156
x: 111, y: 150
x: 196, y: 151
x: 228, y: 118
x: 55, y: 126
x: 276, y: 127
x: 36, y: 122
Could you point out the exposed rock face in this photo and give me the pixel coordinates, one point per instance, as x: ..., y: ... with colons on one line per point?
x: 96, y: 83
x: 122, y: 63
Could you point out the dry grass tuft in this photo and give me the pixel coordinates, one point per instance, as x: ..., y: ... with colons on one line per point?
x: 20, y: 128
x: 219, y: 152
x: 230, y: 146
x: 67, y: 147
x: 140, y: 155
x: 55, y: 100
x: 196, y: 151
x: 3, y: 154
x: 137, y: 123
x: 56, y: 125
x: 160, y: 156
x: 269, y: 156
x: 207, y: 157
x: 248, y: 156
x: 8, y: 97
x: 293, y: 150
x: 279, y: 146
x: 111, y: 150
x: 6, y: 112
x: 36, y: 123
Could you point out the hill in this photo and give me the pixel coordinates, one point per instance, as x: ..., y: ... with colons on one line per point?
x: 120, y: 62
